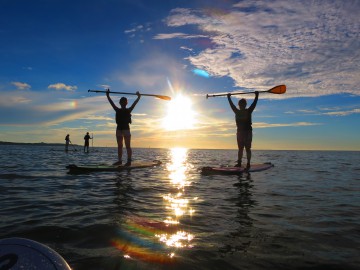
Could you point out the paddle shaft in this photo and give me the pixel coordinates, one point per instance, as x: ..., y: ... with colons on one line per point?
x: 280, y: 89
x: 73, y: 146
x: 126, y: 93
x: 233, y: 94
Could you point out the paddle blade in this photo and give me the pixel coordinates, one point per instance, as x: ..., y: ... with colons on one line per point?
x: 280, y: 89
x: 164, y: 97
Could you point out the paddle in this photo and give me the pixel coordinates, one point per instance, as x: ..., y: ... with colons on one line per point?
x: 125, y: 93
x: 73, y: 146
x: 280, y: 89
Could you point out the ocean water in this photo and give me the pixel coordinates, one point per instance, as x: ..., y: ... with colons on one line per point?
x: 302, y: 214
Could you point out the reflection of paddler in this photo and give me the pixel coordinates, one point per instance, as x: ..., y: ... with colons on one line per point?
x: 123, y: 121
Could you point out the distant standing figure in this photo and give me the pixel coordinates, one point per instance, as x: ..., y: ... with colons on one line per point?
x: 86, y: 145
x: 67, y: 141
x: 244, y: 127
x: 123, y: 121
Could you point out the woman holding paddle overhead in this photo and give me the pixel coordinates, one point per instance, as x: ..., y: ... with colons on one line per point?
x: 244, y: 127
x: 123, y: 121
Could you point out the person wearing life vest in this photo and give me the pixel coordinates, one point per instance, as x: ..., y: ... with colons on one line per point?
x: 123, y: 121
x: 244, y: 127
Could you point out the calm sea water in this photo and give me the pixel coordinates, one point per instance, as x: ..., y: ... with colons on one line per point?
x: 302, y: 214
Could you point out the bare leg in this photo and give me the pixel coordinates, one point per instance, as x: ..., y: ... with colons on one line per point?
x: 248, y: 156
x: 248, y: 149
x: 127, y: 140
x: 120, y: 146
x: 240, y: 150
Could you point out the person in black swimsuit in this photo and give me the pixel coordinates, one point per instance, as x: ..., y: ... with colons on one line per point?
x: 123, y: 121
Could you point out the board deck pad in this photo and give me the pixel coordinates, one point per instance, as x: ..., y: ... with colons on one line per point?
x: 112, y: 168
x: 21, y: 253
x: 236, y: 170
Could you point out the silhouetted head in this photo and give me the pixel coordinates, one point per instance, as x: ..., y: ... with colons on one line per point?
x: 87, y: 133
x: 242, y: 103
x: 123, y: 102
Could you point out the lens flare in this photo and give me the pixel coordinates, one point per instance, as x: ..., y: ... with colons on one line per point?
x: 201, y: 72
x: 74, y: 104
x: 139, y: 239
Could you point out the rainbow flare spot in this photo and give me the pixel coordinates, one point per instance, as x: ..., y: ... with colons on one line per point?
x: 145, y: 254
x: 149, y: 240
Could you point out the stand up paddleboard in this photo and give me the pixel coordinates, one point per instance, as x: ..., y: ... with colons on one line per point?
x: 21, y: 253
x: 111, y: 168
x: 236, y: 170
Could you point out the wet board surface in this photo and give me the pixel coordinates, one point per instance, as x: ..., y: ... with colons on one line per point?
x: 22, y: 253
x: 112, y: 168
x: 236, y: 170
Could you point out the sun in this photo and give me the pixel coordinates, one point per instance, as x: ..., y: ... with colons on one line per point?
x: 180, y: 114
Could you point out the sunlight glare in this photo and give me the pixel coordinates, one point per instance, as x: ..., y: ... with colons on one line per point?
x: 180, y: 114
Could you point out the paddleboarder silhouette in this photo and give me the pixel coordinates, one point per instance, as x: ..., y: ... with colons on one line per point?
x: 67, y: 141
x: 123, y: 121
x: 244, y: 127
x: 86, y: 144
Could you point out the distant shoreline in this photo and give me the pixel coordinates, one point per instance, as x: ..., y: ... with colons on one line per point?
x: 38, y: 144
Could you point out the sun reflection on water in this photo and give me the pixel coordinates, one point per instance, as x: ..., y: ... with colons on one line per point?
x: 176, y: 203
x: 155, y: 240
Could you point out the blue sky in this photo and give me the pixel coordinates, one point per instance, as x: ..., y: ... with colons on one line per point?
x: 52, y: 52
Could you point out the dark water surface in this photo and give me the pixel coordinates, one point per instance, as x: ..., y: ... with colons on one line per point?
x: 302, y: 214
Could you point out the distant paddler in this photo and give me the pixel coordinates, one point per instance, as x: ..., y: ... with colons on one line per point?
x: 87, y: 138
x: 67, y: 141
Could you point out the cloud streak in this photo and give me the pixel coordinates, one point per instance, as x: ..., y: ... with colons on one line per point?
x: 178, y: 35
x: 21, y: 85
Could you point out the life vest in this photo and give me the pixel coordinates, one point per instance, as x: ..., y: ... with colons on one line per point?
x: 243, y: 120
x: 123, y: 118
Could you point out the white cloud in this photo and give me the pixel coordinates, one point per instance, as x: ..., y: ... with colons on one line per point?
x: 335, y: 111
x: 21, y: 85
x: 104, y: 86
x: 178, y: 35
x: 134, y: 29
x: 62, y: 86
x: 310, y: 46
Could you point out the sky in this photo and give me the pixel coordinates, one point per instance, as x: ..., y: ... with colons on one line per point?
x: 53, y: 51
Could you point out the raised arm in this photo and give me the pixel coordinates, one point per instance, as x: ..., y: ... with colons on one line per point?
x: 136, y: 101
x: 233, y: 107
x: 110, y: 100
x: 253, y: 105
